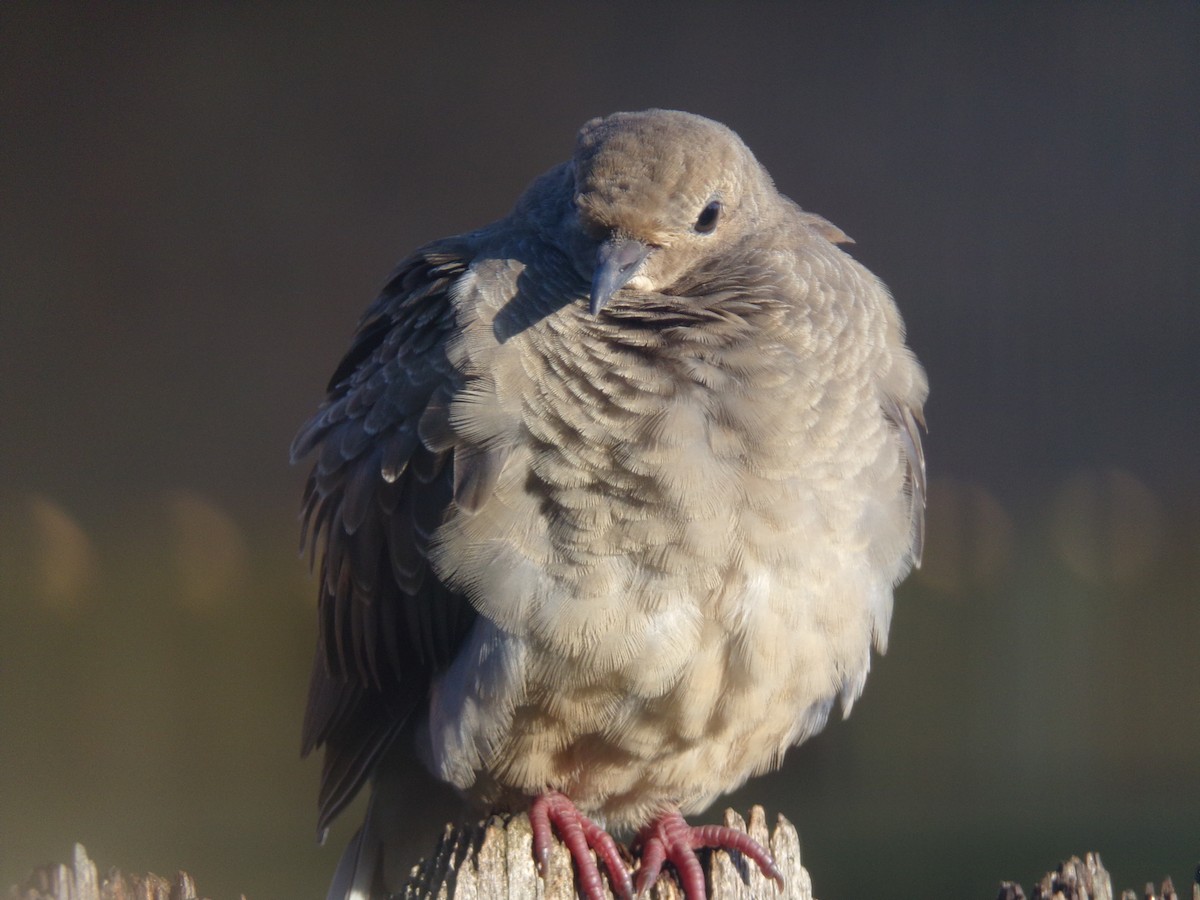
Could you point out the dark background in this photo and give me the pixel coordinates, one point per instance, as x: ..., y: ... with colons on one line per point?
x: 197, y: 204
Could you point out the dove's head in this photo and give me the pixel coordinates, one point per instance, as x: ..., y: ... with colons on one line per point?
x: 656, y: 193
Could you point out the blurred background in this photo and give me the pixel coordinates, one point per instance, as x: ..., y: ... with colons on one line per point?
x: 198, y: 203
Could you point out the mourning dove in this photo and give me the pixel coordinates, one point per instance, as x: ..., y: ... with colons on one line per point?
x: 612, y: 496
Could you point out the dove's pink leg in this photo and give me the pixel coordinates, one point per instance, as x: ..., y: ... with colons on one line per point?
x: 581, y: 836
x: 670, y: 838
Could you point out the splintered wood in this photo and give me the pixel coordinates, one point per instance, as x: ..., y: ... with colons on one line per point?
x: 1086, y: 879
x: 494, y: 861
x: 81, y: 881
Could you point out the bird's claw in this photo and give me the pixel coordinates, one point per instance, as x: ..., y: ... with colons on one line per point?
x: 669, y: 838
x: 554, y: 811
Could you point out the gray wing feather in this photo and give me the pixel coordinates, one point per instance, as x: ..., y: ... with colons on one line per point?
x: 908, y: 422
x: 373, y: 501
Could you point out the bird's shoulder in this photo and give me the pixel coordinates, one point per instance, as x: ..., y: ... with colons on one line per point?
x: 848, y: 298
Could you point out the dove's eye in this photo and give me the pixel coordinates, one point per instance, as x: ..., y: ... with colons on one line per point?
x: 708, y: 217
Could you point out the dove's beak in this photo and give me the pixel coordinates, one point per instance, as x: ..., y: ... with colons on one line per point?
x: 617, y: 261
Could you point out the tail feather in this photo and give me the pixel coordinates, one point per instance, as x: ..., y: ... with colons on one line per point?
x: 359, y: 874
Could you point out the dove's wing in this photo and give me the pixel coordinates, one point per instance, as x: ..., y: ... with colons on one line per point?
x: 905, y: 419
x: 376, y: 495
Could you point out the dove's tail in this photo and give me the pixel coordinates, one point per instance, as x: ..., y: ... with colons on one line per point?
x: 358, y: 875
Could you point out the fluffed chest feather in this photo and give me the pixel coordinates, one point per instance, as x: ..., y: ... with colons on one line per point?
x: 653, y: 561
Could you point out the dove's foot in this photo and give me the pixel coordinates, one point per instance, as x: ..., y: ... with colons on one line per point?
x: 670, y: 838
x: 582, y: 836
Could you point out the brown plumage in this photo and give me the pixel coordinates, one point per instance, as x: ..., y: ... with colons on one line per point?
x: 613, y: 492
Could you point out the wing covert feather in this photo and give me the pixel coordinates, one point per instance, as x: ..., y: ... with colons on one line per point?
x: 375, y: 497
x: 907, y: 421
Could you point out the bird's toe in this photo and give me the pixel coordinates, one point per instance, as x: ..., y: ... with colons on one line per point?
x: 554, y: 811
x: 669, y: 838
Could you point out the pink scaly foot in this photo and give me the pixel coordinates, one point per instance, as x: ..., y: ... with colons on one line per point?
x: 582, y: 836
x: 670, y: 838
